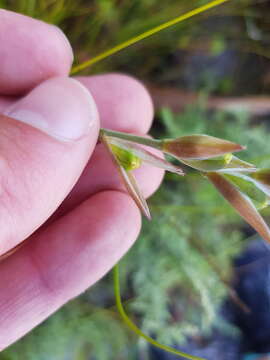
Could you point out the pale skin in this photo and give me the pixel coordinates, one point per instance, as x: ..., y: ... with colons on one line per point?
x: 63, y: 196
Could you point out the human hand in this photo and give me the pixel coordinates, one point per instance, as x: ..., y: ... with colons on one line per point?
x: 46, y: 166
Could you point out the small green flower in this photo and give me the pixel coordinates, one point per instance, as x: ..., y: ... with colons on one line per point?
x: 126, y: 158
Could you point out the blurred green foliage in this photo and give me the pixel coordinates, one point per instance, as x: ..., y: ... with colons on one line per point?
x: 93, y: 26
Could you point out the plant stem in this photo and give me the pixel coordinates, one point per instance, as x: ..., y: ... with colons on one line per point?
x: 156, y: 144
x: 134, y: 328
x: 146, y: 34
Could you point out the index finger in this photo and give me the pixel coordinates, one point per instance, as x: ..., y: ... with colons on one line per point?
x: 31, y: 51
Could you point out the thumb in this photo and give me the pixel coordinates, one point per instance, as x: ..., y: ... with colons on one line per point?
x: 46, y: 139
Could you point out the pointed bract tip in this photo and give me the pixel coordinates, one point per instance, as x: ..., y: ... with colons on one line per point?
x: 180, y: 172
x: 148, y: 215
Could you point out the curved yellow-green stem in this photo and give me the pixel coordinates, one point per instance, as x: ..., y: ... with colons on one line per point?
x: 134, y: 328
x: 146, y: 34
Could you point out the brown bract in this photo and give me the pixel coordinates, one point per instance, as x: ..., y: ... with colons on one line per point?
x: 241, y: 203
x: 199, y: 147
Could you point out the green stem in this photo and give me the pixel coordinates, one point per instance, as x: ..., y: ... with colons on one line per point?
x: 156, y: 144
x: 134, y: 328
x: 146, y: 34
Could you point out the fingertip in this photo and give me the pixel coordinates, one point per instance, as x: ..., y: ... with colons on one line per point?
x: 67, y: 49
x: 35, y: 51
x: 123, y: 102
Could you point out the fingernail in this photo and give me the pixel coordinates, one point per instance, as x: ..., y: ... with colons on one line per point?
x: 60, y: 107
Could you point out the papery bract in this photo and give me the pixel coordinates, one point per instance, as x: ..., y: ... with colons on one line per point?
x: 241, y: 203
x: 199, y: 147
x: 128, y: 179
x: 221, y: 164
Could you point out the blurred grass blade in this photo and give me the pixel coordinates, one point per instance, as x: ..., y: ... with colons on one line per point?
x: 241, y: 203
x: 222, y: 164
x: 134, y: 327
x: 199, y: 147
x: 146, y: 34
x: 128, y: 180
x: 145, y: 155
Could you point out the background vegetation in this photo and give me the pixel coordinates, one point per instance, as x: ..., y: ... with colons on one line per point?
x: 176, y: 276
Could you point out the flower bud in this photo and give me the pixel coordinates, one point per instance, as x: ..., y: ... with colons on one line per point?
x: 199, y: 147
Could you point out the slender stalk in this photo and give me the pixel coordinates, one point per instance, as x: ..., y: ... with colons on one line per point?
x: 156, y: 144
x: 145, y: 34
x: 134, y: 328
